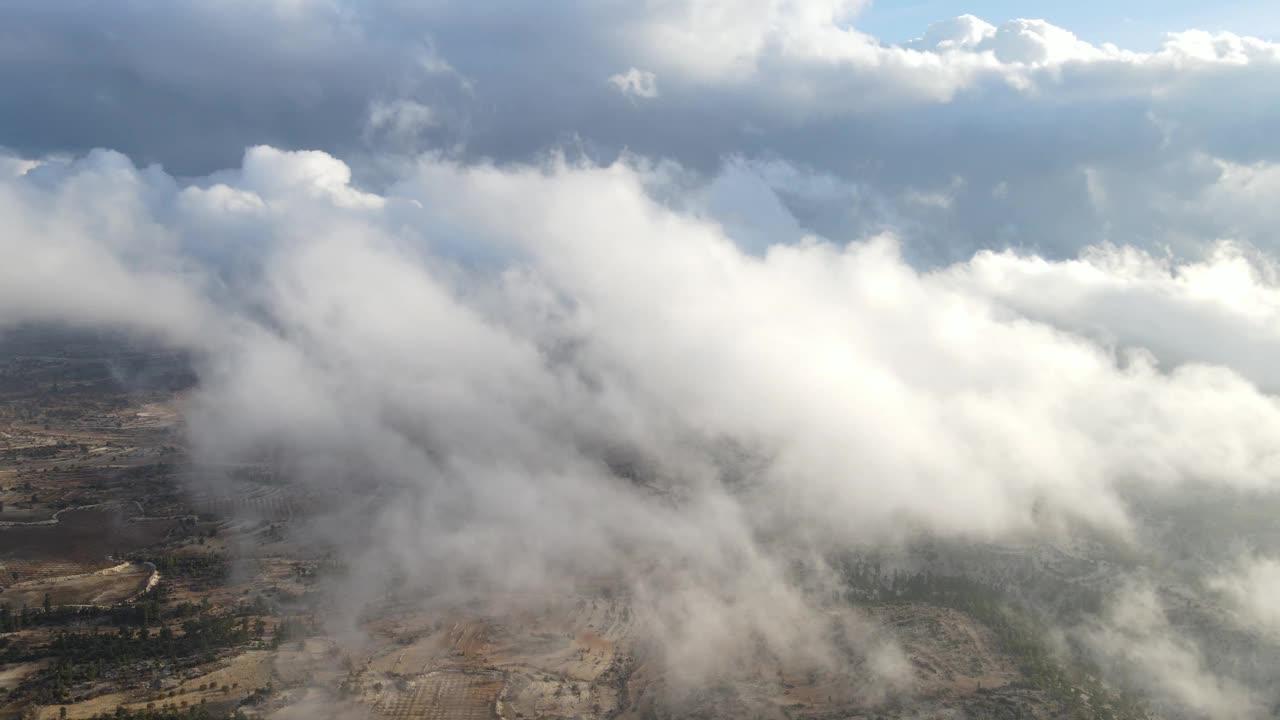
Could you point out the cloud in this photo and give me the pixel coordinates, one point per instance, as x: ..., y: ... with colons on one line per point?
x: 963, y: 32
x: 715, y: 40
x: 1089, y: 143
x: 526, y: 374
x: 84, y: 246
x: 1250, y: 590
x: 1036, y: 42
x: 636, y: 83
x: 401, y: 120
x: 560, y: 314
x: 1219, y: 310
x: 1138, y: 639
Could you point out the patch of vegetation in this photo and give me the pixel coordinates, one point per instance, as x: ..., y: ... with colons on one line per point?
x: 187, y: 635
x: 85, y: 657
x: 1072, y: 682
x: 195, y: 712
x: 206, y: 569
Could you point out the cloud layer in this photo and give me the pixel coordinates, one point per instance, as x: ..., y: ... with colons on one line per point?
x: 972, y: 136
x: 544, y: 372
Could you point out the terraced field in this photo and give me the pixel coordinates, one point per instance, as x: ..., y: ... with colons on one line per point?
x: 446, y: 695
x: 102, y: 587
x: 80, y: 541
x: 12, y: 571
x: 263, y: 503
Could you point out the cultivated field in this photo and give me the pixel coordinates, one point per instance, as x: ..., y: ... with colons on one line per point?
x: 103, y: 587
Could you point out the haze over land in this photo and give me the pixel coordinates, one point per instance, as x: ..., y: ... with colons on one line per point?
x: 695, y: 304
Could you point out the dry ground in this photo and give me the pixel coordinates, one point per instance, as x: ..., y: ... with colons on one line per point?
x: 103, y: 587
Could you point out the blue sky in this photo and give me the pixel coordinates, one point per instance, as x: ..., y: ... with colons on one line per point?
x: 1136, y: 24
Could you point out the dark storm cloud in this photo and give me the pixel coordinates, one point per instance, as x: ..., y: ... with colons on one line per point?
x: 1008, y: 130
